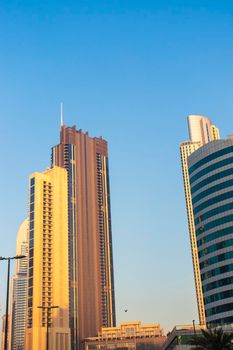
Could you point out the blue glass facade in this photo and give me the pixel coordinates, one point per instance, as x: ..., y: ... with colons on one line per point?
x: 211, y: 180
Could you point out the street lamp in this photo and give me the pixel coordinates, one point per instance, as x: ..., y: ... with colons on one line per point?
x: 195, y: 334
x: 47, y: 325
x: 7, y: 292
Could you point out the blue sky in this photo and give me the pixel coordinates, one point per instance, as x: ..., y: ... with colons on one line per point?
x: 130, y: 71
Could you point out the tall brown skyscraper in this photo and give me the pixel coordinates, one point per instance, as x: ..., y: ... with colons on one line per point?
x: 91, y: 282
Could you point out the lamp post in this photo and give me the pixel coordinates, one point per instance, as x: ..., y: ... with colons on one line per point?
x: 7, y: 291
x: 47, y: 323
x: 195, y: 334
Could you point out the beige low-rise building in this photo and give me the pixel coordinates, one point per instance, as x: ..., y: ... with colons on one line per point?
x: 128, y: 335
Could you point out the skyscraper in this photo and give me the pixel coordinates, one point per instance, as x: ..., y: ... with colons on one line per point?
x: 91, y: 283
x: 201, y: 131
x: 19, y: 291
x: 211, y: 180
x: 48, y: 261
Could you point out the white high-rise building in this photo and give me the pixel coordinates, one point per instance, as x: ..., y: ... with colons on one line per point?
x: 19, y: 291
x: 201, y: 131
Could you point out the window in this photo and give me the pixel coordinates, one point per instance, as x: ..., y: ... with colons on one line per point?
x: 211, y: 157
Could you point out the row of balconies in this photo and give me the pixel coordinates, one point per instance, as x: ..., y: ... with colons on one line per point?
x: 47, y: 219
x: 102, y: 255
x: 47, y: 188
x: 47, y: 192
x: 47, y: 251
x: 47, y: 233
x: 47, y: 248
x: 47, y: 241
x: 46, y: 256
x: 46, y: 298
x: 102, y: 262
x: 47, y: 227
x: 47, y: 212
x: 47, y: 237
x: 47, y: 204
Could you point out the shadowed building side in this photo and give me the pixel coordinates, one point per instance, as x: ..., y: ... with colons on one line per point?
x: 19, y: 291
x: 3, y: 333
x: 92, y: 301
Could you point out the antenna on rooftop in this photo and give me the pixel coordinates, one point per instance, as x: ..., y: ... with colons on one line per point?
x: 61, y: 121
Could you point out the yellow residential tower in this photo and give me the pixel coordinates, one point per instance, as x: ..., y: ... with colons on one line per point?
x: 201, y: 131
x: 48, y: 262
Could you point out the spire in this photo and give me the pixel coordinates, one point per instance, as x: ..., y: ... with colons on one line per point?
x: 61, y: 122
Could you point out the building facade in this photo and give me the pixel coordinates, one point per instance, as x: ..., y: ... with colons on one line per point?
x: 211, y: 181
x: 91, y: 282
x: 19, y: 291
x: 48, y: 262
x: 129, y: 335
x: 201, y: 132
x: 180, y: 337
x: 4, y: 333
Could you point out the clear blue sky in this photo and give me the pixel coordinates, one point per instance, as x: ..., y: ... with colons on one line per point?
x: 130, y: 71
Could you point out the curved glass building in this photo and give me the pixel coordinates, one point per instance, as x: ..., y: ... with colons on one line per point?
x: 211, y: 182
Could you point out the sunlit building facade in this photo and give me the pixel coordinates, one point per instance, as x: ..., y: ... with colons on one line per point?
x: 211, y: 180
x: 19, y: 291
x: 201, y: 132
x: 128, y: 336
x: 91, y: 282
x: 48, y: 261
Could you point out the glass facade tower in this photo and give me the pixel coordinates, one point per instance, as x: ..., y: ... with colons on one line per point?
x: 211, y: 182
